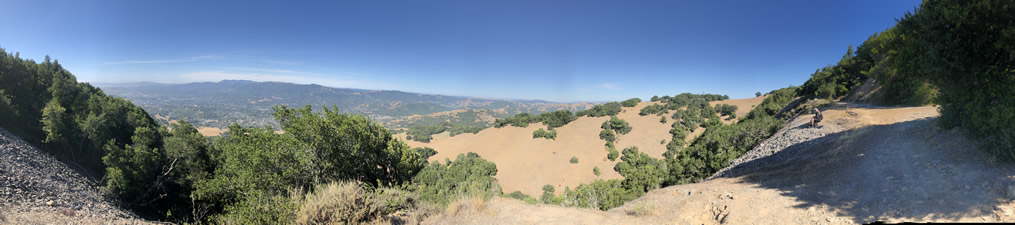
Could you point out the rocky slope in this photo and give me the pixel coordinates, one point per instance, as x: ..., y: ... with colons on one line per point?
x: 35, y: 188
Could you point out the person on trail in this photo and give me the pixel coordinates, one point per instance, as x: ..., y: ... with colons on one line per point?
x: 817, y: 117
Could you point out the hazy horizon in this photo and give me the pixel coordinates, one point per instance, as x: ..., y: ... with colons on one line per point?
x: 555, y: 51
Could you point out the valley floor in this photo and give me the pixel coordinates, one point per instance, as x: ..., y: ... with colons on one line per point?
x: 862, y: 164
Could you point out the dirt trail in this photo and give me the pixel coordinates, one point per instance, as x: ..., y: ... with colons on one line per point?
x: 864, y: 164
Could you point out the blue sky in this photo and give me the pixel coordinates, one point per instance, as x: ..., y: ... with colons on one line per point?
x: 582, y: 50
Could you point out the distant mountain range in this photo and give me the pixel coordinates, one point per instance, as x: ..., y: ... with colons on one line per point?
x: 249, y: 103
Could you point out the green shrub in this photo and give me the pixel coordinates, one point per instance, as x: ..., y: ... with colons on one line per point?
x: 607, y: 135
x: 467, y: 174
x: 616, y: 124
x: 574, y: 159
x: 630, y: 102
x: 613, y: 154
x: 557, y: 118
x: 652, y: 109
x: 641, y: 172
x: 966, y: 50
x: 540, y: 133
x: 425, y: 152
x: 726, y: 110
x: 608, y: 109
x: 547, y: 196
x: 757, y: 94
x: 518, y: 195
x: 662, y: 119
x: 595, y: 170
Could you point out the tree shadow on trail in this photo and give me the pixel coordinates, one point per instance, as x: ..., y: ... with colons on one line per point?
x: 909, y: 171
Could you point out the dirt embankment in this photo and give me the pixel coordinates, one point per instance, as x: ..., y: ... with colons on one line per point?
x: 35, y: 188
x: 862, y: 164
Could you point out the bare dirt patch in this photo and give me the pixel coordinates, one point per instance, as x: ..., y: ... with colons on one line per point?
x: 210, y: 131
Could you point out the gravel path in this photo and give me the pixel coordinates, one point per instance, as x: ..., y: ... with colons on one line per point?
x: 35, y: 188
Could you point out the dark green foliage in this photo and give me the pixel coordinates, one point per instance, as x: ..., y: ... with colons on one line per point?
x: 351, y: 146
x: 607, y: 135
x: 616, y: 124
x: 776, y: 100
x: 468, y: 173
x: 630, y: 102
x: 100, y: 136
x: 425, y: 152
x: 966, y: 49
x: 547, y: 196
x: 662, y: 119
x: 595, y: 170
x: 540, y: 133
x: 653, y: 109
x: 608, y: 109
x: 641, y: 172
x: 574, y: 160
x: 519, y: 195
x: 613, y: 154
x: 726, y: 110
x: 557, y: 118
x: 548, y: 188
x: 757, y: 94
x: 720, y: 144
x: 255, y: 165
x: 551, y: 119
x: 424, y: 133
x: 600, y: 194
x: 654, y: 98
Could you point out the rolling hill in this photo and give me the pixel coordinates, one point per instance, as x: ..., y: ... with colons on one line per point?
x: 523, y: 161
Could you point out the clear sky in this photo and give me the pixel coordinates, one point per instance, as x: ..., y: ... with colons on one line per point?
x: 581, y: 50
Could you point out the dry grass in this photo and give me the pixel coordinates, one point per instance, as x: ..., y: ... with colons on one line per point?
x: 467, y: 205
x: 210, y: 131
x: 522, y: 161
x: 642, y: 208
x: 339, y: 203
x: 348, y: 203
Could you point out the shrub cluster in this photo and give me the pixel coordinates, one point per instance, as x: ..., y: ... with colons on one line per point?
x: 719, y: 145
x: 551, y: 119
x: 726, y: 110
x: 608, y: 109
x: 467, y: 174
x: 966, y: 49
x: 424, y: 133
x: 630, y: 102
x: 540, y: 133
x: 656, y: 109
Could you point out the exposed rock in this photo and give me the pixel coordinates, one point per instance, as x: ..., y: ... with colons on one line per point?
x: 34, y: 186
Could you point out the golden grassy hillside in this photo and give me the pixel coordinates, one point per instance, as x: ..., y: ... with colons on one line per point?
x: 526, y: 164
